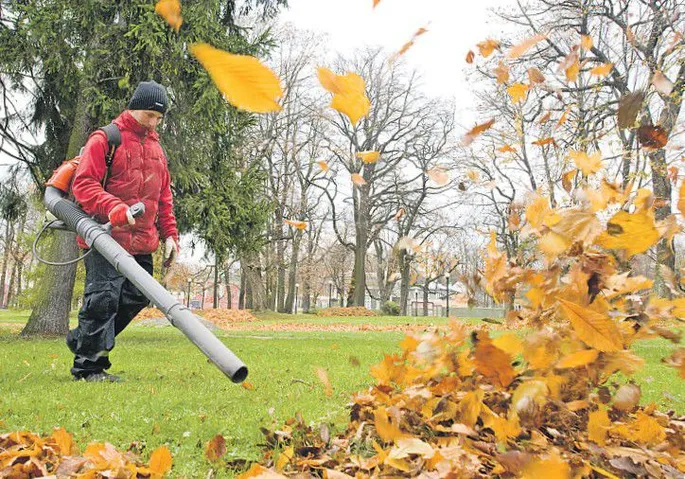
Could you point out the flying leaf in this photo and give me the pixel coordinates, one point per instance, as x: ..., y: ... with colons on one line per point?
x: 598, y: 425
x: 410, y: 43
x: 535, y: 76
x: 628, y: 108
x: 246, y: 83
x: 215, y: 448
x: 635, y: 233
x: 323, y: 165
x: 577, y: 359
x: 170, y: 11
x: 506, y: 149
x: 349, y: 95
x: 492, y: 362
x: 438, y: 176
x: 662, y: 84
x: 300, y: 225
x: 545, y: 141
x: 644, y: 430
x: 537, y: 211
x: 322, y: 374
x: 586, y: 42
x: 487, y: 47
x: 518, y: 92
x: 501, y: 72
x: 355, y: 107
x: 525, y: 45
x: 358, y: 179
x: 595, y: 329
x: 470, y: 56
x: 368, y: 156
x: 563, y: 119
x: 473, y: 175
x: 587, y: 164
x: 475, y: 131
x: 681, y: 199
x: 602, y: 70
x: 545, y: 118
x: 400, y: 213
x: 569, y: 60
x: 376, y: 2
x: 160, y: 461
x: 567, y: 180
x: 573, y: 71
x: 652, y: 137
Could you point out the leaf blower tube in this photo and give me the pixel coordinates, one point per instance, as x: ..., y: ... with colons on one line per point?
x: 97, y: 237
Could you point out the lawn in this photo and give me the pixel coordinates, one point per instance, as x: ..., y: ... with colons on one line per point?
x: 173, y: 396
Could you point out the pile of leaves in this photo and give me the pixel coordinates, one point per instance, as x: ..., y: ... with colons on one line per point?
x: 223, y: 317
x: 346, y: 312
x: 149, y: 313
x: 459, y: 403
x: 24, y: 454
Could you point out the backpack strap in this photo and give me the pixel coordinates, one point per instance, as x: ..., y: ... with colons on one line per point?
x: 113, y: 140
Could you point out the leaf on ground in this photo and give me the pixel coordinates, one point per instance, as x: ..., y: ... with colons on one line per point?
x: 216, y: 448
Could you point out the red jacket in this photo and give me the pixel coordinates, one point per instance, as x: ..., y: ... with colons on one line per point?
x: 139, y: 172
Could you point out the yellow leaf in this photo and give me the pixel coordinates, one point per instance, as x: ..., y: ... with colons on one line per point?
x: 537, y: 211
x: 602, y: 70
x: 635, y: 233
x: 595, y: 329
x: 563, y: 119
x: 473, y: 175
x: 550, y: 467
x: 492, y: 362
x: 260, y: 472
x: 681, y: 199
x: 285, y: 457
x: 387, y: 431
x: 509, y: 343
x: 399, y: 464
x: 603, y: 472
x: 300, y: 225
x: 243, y: 80
x: 525, y: 45
x: 323, y: 165
x: 586, y: 42
x: 170, y: 11
x: 506, y: 149
x: 573, y: 71
x: 355, y: 106
x: 349, y: 95
x: 502, y: 427
x: 518, y: 92
x: 469, y: 407
x: 577, y: 359
x: 63, y: 440
x: 645, y: 430
x: 358, y: 179
x: 529, y: 392
x: 408, y: 446
x: 585, y: 163
x: 567, y: 180
x: 598, y: 425
x: 160, y: 461
x: 487, y: 47
x: 368, y: 156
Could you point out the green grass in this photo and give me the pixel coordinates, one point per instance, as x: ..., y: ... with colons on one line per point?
x: 173, y: 396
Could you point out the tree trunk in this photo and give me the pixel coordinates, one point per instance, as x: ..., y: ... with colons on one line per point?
x: 10, y: 287
x: 216, y: 285
x: 243, y: 288
x: 254, y: 287
x: 50, y: 316
x: 306, y: 296
x: 280, y: 261
x: 292, y: 272
x: 404, y: 282
x: 425, y: 299
x: 20, y: 278
x: 5, y: 262
x: 227, y: 285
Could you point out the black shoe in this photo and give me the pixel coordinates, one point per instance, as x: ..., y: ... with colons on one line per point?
x: 101, y: 377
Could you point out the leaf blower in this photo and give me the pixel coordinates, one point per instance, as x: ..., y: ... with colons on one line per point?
x: 72, y: 218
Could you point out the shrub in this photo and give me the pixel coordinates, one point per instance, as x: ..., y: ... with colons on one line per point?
x: 391, y: 308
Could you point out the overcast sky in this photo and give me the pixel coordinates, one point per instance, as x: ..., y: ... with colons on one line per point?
x: 454, y: 27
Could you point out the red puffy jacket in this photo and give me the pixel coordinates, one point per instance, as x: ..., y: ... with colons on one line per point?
x: 139, y: 172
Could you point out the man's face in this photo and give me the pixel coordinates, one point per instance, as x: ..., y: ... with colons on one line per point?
x: 148, y: 118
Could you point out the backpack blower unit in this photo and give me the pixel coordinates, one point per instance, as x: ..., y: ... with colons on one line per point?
x: 72, y: 218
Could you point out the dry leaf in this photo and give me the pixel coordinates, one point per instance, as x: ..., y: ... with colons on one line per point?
x: 470, y: 56
x: 598, y: 426
x: 596, y: 330
x: 160, y: 461
x: 525, y: 45
x: 387, y: 431
x: 535, y: 76
x: 368, y: 156
x: 628, y: 108
x: 285, y: 457
x: 586, y: 42
x: 652, y: 137
x: 349, y: 93
x: 492, y: 362
x: 635, y: 233
x: 410, y: 43
x: 216, y: 448
x: 300, y: 225
x: 63, y: 440
x: 323, y: 165
x: 518, y: 92
x: 475, y: 131
x: 501, y: 72
x: 487, y: 47
x: 662, y: 84
x: 602, y: 70
x: 248, y: 385
x: 506, y: 149
x: 244, y: 82
x: 567, y: 180
x: 322, y: 374
x: 438, y: 176
x: 170, y: 11
x: 573, y: 71
x: 552, y: 467
x: 577, y: 359
x: 545, y: 141
x: 358, y: 179
x: 588, y: 165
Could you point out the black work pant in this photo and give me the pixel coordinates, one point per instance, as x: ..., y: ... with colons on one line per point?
x: 110, y: 302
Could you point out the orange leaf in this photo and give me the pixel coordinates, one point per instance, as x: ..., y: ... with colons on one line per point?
x: 506, y: 149
x: 645, y: 430
x: 300, y: 225
x: 652, y: 137
x: 681, y: 199
x: 470, y: 56
x: 63, y: 440
x: 586, y: 42
x: 577, y: 359
x: 358, y: 179
x: 248, y: 385
x: 160, y: 461
x: 550, y: 467
x: 215, y: 448
x: 563, y: 118
x: 518, y: 92
x: 487, y: 47
x: 567, y: 179
x: 243, y: 80
x: 598, y: 425
x: 376, y: 2
x: 595, y: 329
x: 501, y: 72
x: 602, y: 70
x: 492, y: 362
x: 368, y: 156
x: 545, y: 141
x: 170, y: 11
x: 260, y: 472
x: 323, y: 165
x: 573, y: 71
x: 349, y: 95
x: 475, y: 131
x: 525, y: 45
x: 410, y: 43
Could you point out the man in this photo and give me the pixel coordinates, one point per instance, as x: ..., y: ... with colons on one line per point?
x: 138, y: 172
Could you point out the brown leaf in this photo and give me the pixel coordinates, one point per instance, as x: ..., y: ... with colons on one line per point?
x: 215, y: 448
x: 470, y: 56
x: 652, y: 137
x: 501, y: 72
x: 487, y: 47
x: 628, y: 108
x: 662, y: 84
x: 535, y: 76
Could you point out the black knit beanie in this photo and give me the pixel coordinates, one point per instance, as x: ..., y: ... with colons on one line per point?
x: 149, y: 95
